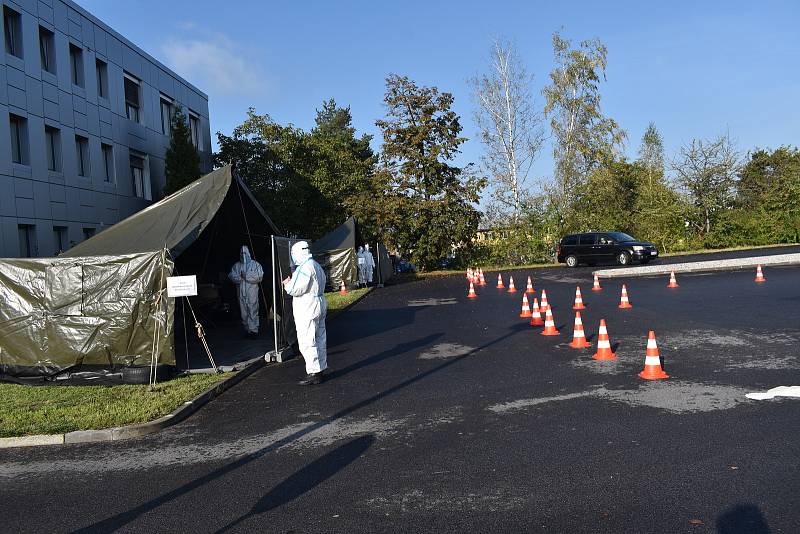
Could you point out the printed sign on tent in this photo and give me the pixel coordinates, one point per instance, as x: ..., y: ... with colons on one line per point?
x: 182, y: 286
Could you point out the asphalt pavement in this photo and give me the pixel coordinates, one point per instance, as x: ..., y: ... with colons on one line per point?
x: 448, y: 414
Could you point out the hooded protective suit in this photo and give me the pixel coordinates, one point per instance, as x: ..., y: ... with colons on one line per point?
x: 309, y: 307
x: 370, y: 263
x: 247, y: 273
x: 362, y: 266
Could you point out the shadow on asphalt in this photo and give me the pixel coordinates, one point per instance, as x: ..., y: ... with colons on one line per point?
x: 121, y: 519
x: 381, y: 356
x: 372, y: 322
x: 307, y: 478
x: 743, y: 519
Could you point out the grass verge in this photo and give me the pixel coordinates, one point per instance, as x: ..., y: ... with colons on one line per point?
x: 338, y: 302
x: 28, y: 410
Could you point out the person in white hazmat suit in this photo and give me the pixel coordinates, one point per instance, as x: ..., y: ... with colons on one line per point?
x: 362, y: 267
x: 370, y: 263
x: 247, y: 273
x: 306, y: 286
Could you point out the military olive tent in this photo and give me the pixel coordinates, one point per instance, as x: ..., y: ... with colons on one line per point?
x: 336, y: 253
x: 102, y: 305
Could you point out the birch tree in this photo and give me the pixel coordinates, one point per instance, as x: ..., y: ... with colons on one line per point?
x: 583, y: 138
x: 510, y: 127
x: 651, y: 153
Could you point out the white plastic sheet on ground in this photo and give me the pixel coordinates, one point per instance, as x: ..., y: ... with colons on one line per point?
x: 780, y: 391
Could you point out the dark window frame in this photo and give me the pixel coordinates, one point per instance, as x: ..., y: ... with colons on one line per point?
x: 12, y: 32
x: 47, y: 49
x: 83, y: 159
x: 76, y: 66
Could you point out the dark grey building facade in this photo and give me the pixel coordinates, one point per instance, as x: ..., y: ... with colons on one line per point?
x: 84, y: 126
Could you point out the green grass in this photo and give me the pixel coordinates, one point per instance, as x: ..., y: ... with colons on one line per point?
x: 337, y: 302
x: 27, y: 410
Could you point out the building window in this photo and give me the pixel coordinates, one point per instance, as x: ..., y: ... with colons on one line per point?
x: 19, y: 139
x: 194, y: 128
x: 108, y: 162
x: 88, y: 233
x: 52, y: 139
x: 76, y: 64
x: 166, y: 115
x: 102, y: 78
x: 60, y: 239
x: 82, y: 155
x: 137, y: 175
x: 27, y: 240
x: 47, y: 48
x: 132, y: 98
x: 12, y: 23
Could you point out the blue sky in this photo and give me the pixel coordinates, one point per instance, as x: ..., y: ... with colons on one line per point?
x: 697, y: 69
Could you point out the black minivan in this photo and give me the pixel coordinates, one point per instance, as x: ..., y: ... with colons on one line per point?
x: 598, y: 247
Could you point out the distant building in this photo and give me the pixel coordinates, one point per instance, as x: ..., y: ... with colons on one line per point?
x: 84, y: 126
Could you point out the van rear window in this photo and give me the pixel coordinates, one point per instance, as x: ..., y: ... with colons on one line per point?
x: 570, y: 240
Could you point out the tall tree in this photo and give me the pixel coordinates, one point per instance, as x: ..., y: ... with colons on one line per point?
x: 421, y: 201
x: 510, y: 128
x: 583, y: 138
x: 181, y: 162
x: 307, y: 181
x: 651, y: 153
x: 707, y: 170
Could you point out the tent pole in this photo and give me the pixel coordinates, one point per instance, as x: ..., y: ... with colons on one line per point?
x: 275, y: 299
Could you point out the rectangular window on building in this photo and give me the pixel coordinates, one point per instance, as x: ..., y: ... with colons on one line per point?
x: 194, y: 128
x: 102, y: 78
x: 82, y: 155
x: 166, y: 114
x: 27, y: 240
x: 76, y: 64
x: 52, y: 138
x: 47, y: 50
x: 137, y: 175
x: 108, y: 162
x: 60, y: 239
x: 132, y: 98
x: 19, y: 139
x: 88, y: 233
x: 12, y: 24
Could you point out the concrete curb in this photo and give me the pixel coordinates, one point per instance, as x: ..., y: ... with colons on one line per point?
x: 139, y: 429
x: 701, y: 266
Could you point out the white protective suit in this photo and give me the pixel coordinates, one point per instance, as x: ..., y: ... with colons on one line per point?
x: 309, y: 306
x: 247, y: 273
x: 370, y: 263
x: 362, y: 266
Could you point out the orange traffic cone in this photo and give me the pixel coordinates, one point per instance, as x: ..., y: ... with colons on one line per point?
x: 511, y: 288
x: 604, y: 351
x: 672, y: 281
x: 545, y: 304
x: 536, y: 314
x: 482, y: 279
x: 529, y: 289
x: 596, y: 286
x: 471, y: 294
x: 343, y: 290
x: 549, y: 324
x: 500, y: 281
x: 760, y: 275
x: 623, y: 301
x: 652, y: 361
x: 578, y: 337
x: 526, y: 310
x: 578, y: 300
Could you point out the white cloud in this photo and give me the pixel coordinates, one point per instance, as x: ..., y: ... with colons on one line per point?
x: 215, y: 64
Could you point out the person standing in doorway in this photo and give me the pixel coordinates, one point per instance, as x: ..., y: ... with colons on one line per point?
x: 247, y: 273
x: 306, y: 286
